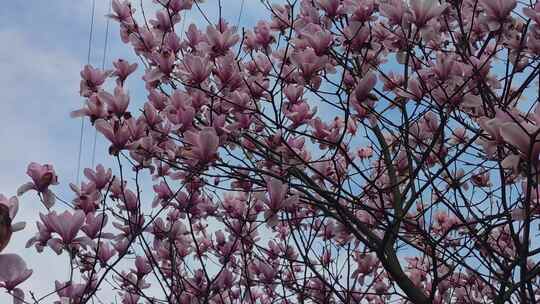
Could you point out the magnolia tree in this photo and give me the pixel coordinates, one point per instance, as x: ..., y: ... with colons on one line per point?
x: 341, y: 151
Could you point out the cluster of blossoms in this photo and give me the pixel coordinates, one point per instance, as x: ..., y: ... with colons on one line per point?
x: 342, y: 151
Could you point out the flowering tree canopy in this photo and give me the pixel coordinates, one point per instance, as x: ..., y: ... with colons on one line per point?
x: 341, y: 151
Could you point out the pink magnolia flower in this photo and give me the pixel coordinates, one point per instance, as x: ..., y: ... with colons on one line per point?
x: 67, y: 226
x: 300, y: 114
x: 122, y: 11
x: 321, y: 130
x: 95, y: 225
x: 225, y: 279
x: 367, y: 263
x: 492, y: 125
x: 99, y: 177
x: 122, y: 70
x: 361, y: 11
x: 294, y: 93
x: 157, y: 99
x: 356, y: 34
x: 481, y: 179
x: 533, y: 42
x: 317, y: 38
x: 164, y: 21
x: 116, y: 132
x: 362, y: 92
x: 332, y: 8
x: 116, y: 104
x: 281, y: 17
x: 164, y: 65
x: 42, y: 177
x: 228, y: 73
x: 70, y: 292
x: 40, y: 239
x: 262, y: 35
x: 267, y: 272
x: 425, y: 10
x: 92, y: 79
x: 277, y: 199
x: 146, y: 42
x: 194, y: 36
x: 142, y: 266
x: 94, y: 108
x: 497, y: 12
x: 151, y: 115
x: 394, y: 10
x: 179, y: 5
x: 104, y: 251
x: 194, y: 69
x: 173, y: 44
x: 163, y: 193
x: 181, y: 117
x: 414, y: 91
x: 308, y: 62
x: 459, y: 136
x: 130, y: 201
x: 87, y: 197
x: 221, y: 37
x: 13, y: 272
x: 202, y: 145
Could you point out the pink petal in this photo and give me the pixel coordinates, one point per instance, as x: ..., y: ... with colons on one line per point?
x: 13, y: 268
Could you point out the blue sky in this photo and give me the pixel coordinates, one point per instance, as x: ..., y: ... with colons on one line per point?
x: 44, y: 47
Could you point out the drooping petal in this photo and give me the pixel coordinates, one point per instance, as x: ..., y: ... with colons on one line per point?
x: 25, y: 188
x: 13, y: 270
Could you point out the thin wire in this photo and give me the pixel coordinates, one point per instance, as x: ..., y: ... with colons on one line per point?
x: 89, y: 52
x: 104, y: 58
x: 240, y: 14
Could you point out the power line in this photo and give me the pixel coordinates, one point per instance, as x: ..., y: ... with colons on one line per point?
x: 240, y: 14
x: 89, y: 52
x: 103, y: 59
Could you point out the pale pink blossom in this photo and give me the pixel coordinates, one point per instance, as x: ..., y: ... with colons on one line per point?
x: 116, y: 104
x: 425, y: 10
x: 99, y: 176
x: 67, y: 226
x: 202, y: 145
x: 332, y: 8
x: 13, y: 271
x: 92, y: 79
x: 122, y: 70
x: 42, y: 176
x: 194, y: 69
x: 94, y: 108
x: 122, y: 11
x: 117, y: 132
x: 221, y: 37
x: 497, y: 12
